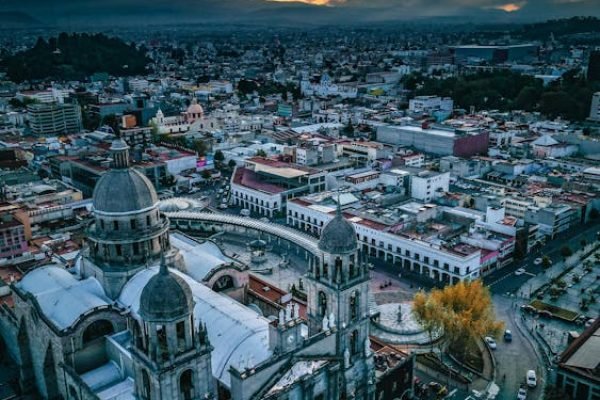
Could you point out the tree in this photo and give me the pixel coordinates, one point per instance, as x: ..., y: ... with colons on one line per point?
x: 464, y: 311
x: 205, y: 174
x: 566, y: 251
x: 546, y: 263
x: 260, y: 153
x: 219, y: 157
x: 349, y: 130
x: 231, y: 164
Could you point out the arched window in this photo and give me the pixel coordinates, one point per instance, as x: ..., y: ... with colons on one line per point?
x: 161, y: 334
x: 354, y: 305
x: 146, y: 388
x: 223, y: 283
x: 97, y: 329
x: 354, y: 345
x: 322, y: 306
x: 186, y: 385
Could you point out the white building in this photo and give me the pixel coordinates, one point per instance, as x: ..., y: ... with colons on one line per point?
x: 406, y: 253
x: 426, y: 184
x: 429, y: 104
x: 326, y: 88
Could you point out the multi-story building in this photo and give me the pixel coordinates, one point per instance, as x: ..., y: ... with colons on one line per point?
x: 364, y: 151
x: 424, y: 185
x: 412, y: 253
x: 264, y: 185
x: 443, y: 142
x: 429, y: 104
x: 54, y: 119
x: 12, y: 237
x: 595, y: 108
x: 553, y: 219
x: 578, y: 374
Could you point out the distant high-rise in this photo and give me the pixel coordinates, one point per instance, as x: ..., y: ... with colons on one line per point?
x: 51, y: 119
x: 594, y: 66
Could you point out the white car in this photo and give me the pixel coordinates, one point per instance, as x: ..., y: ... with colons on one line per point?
x: 520, y: 271
x: 537, y: 261
x: 491, y: 342
x: 531, y: 379
x: 522, y: 394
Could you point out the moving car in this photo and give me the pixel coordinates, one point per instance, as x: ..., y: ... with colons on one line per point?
x: 522, y: 394
x: 520, y: 271
x: 531, y: 379
x: 491, y: 342
x: 507, y: 335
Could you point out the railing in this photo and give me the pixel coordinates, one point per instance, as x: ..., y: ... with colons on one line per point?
x: 303, y: 240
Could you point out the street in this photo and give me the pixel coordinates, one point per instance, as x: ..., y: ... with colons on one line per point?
x: 515, y: 358
x: 505, y: 281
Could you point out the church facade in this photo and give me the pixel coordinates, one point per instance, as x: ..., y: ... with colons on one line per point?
x: 131, y: 322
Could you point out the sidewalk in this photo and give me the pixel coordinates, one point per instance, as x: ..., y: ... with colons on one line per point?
x: 558, y: 268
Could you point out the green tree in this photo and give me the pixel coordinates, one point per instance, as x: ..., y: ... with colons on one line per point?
x: 546, y: 262
x: 219, y: 157
x: 349, y: 129
x: 200, y: 147
x: 231, y: 164
x: 260, y: 153
x: 566, y: 251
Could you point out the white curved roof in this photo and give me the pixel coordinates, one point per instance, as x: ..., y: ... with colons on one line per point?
x: 200, y: 257
x: 238, y: 334
x: 62, y: 298
x: 303, y: 240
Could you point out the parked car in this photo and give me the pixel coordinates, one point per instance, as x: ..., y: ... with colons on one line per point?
x: 522, y: 394
x: 589, y: 322
x: 520, y: 271
x: 537, y: 261
x: 507, y: 336
x: 546, y: 314
x: 531, y: 379
x: 491, y: 342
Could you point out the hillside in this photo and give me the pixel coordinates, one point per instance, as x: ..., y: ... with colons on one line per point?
x: 75, y: 57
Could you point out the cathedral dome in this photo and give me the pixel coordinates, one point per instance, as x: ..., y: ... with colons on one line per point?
x: 195, y: 108
x: 338, y: 236
x: 123, y: 190
x: 166, y: 297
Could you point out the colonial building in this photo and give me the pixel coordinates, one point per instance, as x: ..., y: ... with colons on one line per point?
x: 131, y: 321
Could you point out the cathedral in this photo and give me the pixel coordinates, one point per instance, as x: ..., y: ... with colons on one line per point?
x: 129, y: 321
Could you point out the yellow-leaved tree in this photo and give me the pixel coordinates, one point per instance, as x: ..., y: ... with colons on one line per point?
x: 464, y: 312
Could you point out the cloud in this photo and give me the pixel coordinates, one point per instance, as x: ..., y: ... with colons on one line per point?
x: 510, y: 7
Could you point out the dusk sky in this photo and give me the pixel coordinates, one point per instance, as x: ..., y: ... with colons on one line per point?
x: 55, y: 11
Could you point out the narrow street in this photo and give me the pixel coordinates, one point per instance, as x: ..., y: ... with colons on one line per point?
x: 515, y: 358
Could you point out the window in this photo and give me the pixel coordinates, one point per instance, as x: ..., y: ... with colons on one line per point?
x: 186, y: 385
x: 354, y: 305
x: 116, y: 225
x: 146, y: 388
x: 148, y: 220
x: 136, y: 248
x: 354, y: 345
x: 118, y: 250
x: 322, y: 306
x: 132, y: 223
